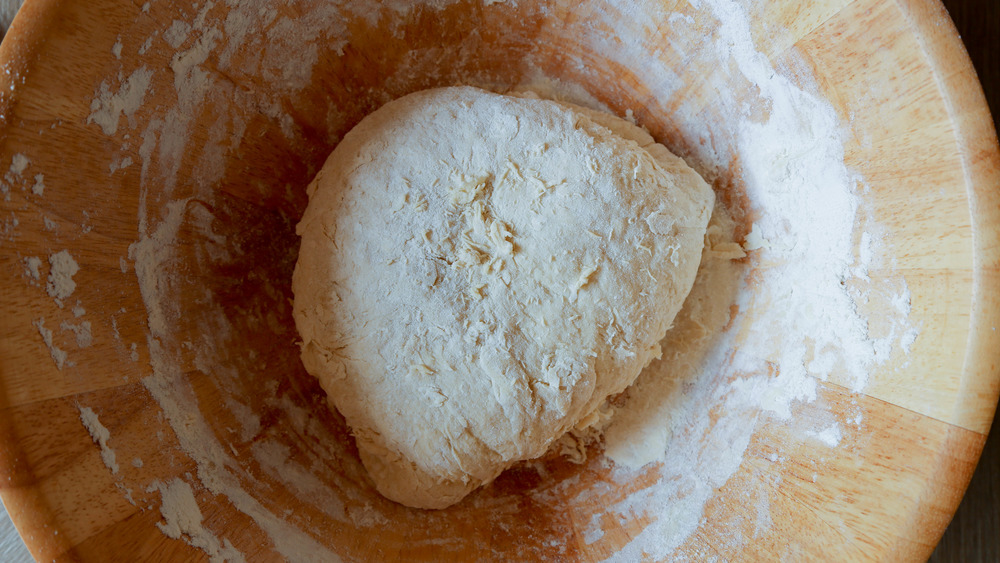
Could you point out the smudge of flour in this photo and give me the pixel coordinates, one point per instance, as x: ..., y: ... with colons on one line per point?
x: 31, y: 267
x: 830, y: 436
x: 18, y: 164
x: 109, y: 106
x: 58, y: 355
x: 38, y: 188
x: 62, y: 269
x: 182, y: 519
x: 84, y: 337
x: 218, y: 471
x: 101, y: 436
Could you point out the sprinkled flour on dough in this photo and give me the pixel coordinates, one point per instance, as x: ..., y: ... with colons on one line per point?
x: 558, y: 250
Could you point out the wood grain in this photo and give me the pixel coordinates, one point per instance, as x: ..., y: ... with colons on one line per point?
x: 973, y: 535
x: 918, y: 134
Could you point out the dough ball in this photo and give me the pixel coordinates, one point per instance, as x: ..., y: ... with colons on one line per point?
x: 478, y: 272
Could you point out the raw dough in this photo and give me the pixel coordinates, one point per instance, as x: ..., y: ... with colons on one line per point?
x: 478, y: 272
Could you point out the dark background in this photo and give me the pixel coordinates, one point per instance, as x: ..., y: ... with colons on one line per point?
x: 974, y: 533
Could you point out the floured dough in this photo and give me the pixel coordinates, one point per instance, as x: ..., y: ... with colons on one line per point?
x: 479, y: 272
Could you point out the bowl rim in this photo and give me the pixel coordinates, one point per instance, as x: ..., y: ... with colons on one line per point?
x: 979, y: 153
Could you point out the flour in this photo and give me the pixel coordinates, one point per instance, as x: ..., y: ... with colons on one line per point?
x: 108, y: 107
x: 18, y: 164
x: 31, y: 267
x: 182, y: 519
x: 38, y: 188
x: 154, y: 257
x: 806, y: 208
x: 117, y: 165
x: 177, y: 33
x: 84, y: 338
x: 145, y: 46
x: 58, y: 355
x: 101, y: 436
x: 830, y: 436
x: 274, y: 458
x: 594, y: 530
x: 62, y: 269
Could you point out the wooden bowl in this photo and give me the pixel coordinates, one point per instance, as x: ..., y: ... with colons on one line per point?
x: 166, y: 147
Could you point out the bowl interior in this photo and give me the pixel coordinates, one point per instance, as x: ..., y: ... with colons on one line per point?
x: 225, y: 185
x: 176, y: 165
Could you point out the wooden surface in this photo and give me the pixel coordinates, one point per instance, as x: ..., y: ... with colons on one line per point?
x: 920, y: 137
x: 974, y: 534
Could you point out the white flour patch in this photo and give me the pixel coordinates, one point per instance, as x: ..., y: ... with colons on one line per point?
x: 108, y: 107
x: 18, y: 164
x: 58, y: 355
x: 275, y: 458
x: 84, y: 338
x: 62, y: 269
x: 31, y: 267
x: 593, y: 532
x: 177, y: 33
x: 100, y: 435
x: 145, y: 46
x: 830, y: 436
x: 763, y: 522
x: 182, y: 519
x: 117, y: 165
x: 38, y: 188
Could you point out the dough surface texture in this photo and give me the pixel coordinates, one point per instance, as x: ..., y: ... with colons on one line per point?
x: 479, y: 272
